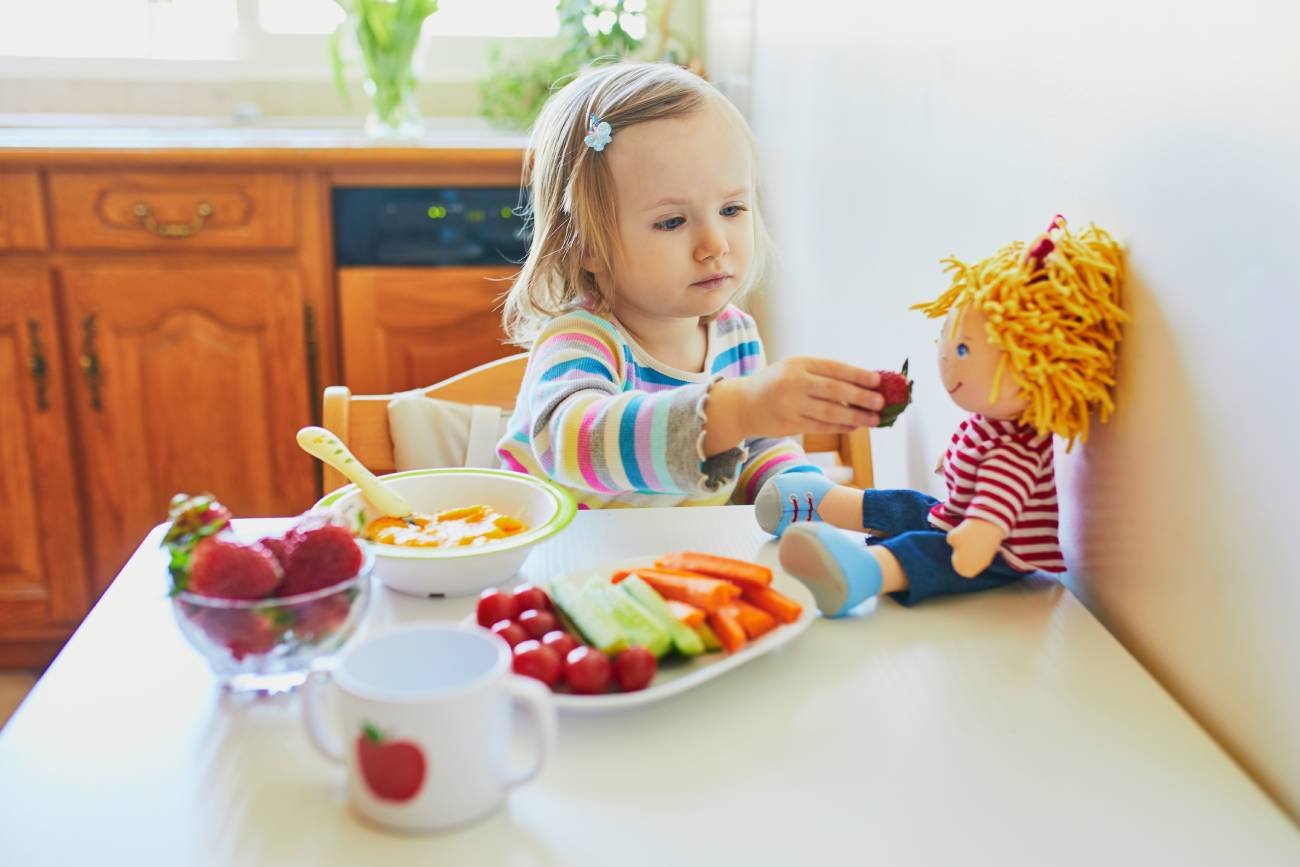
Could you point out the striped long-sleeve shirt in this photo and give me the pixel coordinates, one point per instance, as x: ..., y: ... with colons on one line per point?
x: 1002, y: 472
x: 604, y: 419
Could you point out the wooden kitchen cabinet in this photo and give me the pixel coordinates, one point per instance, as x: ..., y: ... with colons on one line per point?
x: 22, y: 220
x: 403, y: 328
x: 191, y: 378
x: 43, y: 591
x: 169, y: 316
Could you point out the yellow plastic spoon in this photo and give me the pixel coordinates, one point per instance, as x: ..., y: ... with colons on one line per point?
x: 323, y: 444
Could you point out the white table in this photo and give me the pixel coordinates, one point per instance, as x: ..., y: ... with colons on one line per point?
x: 1002, y: 728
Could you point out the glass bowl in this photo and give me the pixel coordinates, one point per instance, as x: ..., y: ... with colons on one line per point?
x: 267, y: 645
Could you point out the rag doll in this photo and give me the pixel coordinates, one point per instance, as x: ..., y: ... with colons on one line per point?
x: 1028, y: 349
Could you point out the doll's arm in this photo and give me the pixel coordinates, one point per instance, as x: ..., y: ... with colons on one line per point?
x: 1003, y: 482
x: 975, y: 543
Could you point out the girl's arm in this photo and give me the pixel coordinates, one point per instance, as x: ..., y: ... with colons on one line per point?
x: 768, y: 457
x: 591, y: 434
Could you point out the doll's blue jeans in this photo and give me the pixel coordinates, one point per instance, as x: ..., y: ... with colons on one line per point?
x: 923, y: 551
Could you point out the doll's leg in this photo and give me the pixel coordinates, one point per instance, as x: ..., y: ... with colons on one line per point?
x: 837, y: 568
x: 793, y: 497
x: 895, y: 511
x: 926, y: 560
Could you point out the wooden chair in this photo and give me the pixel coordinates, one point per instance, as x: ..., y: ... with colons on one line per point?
x: 361, y: 420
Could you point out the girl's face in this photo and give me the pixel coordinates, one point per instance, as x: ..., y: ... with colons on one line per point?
x: 967, y: 364
x: 684, y: 194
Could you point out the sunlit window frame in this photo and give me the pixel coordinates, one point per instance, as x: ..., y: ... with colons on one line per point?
x: 259, y: 55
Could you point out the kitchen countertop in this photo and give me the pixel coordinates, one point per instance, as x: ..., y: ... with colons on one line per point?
x: 301, y: 140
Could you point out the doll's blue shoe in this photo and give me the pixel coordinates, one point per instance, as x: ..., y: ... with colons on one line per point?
x: 788, y: 498
x: 838, y: 569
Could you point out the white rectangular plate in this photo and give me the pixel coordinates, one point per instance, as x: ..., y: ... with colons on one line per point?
x: 677, y: 674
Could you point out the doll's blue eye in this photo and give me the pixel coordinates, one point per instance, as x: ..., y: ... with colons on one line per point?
x: 962, y: 350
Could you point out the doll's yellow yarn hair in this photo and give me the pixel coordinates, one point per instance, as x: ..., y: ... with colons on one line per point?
x: 1056, y: 318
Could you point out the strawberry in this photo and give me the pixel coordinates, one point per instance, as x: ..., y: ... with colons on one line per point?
x: 278, y: 546
x: 320, y: 556
x: 241, y: 631
x: 223, y: 567
x: 192, y: 520
x: 319, y: 619
x: 896, y: 389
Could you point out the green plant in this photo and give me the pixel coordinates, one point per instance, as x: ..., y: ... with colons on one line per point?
x: 591, y: 31
x: 387, y: 33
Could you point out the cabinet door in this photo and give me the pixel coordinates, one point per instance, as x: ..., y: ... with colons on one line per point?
x: 405, y: 328
x: 191, y: 378
x: 42, y: 572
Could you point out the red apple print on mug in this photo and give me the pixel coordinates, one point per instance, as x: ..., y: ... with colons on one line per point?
x: 394, y: 770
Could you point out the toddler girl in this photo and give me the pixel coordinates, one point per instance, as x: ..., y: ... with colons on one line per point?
x: 645, y: 386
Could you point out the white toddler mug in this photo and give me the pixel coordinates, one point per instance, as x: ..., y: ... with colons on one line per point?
x: 427, y: 712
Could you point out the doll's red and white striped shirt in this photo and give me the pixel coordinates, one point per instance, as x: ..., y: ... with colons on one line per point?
x: 1001, y: 472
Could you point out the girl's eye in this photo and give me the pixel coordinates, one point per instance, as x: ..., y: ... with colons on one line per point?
x: 962, y: 350
x: 669, y: 224
x: 733, y: 210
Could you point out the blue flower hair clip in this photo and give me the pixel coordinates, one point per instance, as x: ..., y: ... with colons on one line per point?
x: 598, y: 134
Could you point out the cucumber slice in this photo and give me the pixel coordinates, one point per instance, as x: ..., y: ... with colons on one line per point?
x: 585, y: 608
x: 640, y: 627
x: 684, y: 638
x: 709, y: 637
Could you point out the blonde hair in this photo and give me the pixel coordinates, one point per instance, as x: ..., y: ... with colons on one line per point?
x: 1054, y: 310
x: 571, y: 209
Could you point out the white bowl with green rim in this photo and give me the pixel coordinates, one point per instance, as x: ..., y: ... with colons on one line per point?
x: 543, y: 507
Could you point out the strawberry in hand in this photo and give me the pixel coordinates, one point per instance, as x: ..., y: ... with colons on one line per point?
x: 896, y: 389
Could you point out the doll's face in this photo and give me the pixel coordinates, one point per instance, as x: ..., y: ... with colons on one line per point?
x: 968, y: 363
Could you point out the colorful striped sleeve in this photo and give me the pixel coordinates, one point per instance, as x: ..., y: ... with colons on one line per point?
x: 767, y: 458
x: 592, y: 433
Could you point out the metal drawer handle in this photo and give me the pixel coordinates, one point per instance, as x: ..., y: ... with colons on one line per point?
x: 173, y: 230
x: 90, y: 362
x: 36, y: 364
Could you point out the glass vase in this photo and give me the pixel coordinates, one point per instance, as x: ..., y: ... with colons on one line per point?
x: 394, y: 112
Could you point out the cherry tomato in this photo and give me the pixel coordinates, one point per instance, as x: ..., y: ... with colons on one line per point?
x: 537, y: 623
x: 587, y: 670
x: 634, y: 668
x: 527, y: 596
x: 494, y: 606
x: 512, y: 632
x: 536, y: 660
x: 562, y: 641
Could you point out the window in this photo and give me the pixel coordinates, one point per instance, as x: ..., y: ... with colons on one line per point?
x: 228, y: 30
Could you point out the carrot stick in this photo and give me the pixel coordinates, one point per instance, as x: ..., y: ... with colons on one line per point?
x: 623, y: 573
x: 783, y: 608
x: 705, y: 593
x: 726, y: 568
x: 755, y: 621
x: 728, y: 629
x: 687, y: 614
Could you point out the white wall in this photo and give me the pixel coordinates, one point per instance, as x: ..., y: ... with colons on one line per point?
x: 892, y: 134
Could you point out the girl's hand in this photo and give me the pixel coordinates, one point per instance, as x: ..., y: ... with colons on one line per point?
x: 792, y: 396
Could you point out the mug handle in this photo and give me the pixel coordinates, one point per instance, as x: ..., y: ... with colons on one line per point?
x: 537, y: 698
x: 313, y: 714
